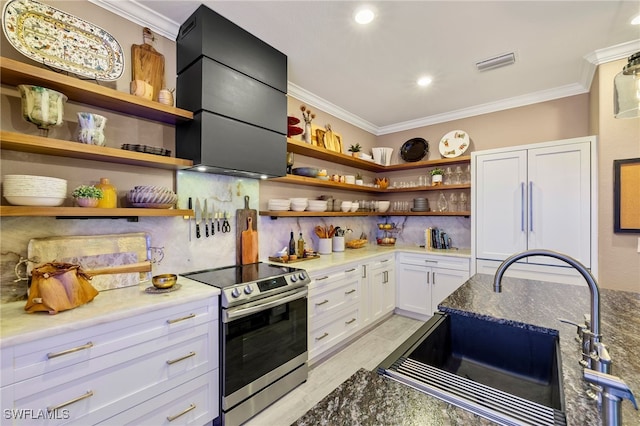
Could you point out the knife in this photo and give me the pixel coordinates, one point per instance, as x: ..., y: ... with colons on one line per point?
x: 213, y: 229
x: 190, y: 206
x: 204, y: 217
x: 198, y: 217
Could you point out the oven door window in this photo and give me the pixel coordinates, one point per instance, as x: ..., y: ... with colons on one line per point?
x: 257, y: 344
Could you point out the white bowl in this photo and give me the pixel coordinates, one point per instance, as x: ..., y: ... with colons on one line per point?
x: 383, y: 206
x: 298, y: 208
x: 34, y: 186
x: 35, y: 201
x: 355, y: 207
x: 298, y: 200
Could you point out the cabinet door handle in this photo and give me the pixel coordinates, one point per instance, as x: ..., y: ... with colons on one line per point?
x: 323, y: 336
x: 189, y: 408
x: 530, y: 206
x: 350, y: 270
x: 428, y: 281
x: 68, y: 351
x: 173, y: 361
x: 322, y: 278
x: 353, y: 290
x: 433, y: 277
x: 522, y: 206
x: 173, y: 321
x: 351, y: 321
x: 71, y: 401
x: 364, y: 271
x: 385, y: 277
x: 322, y: 303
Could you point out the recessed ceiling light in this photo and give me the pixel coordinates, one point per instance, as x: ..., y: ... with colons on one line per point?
x: 636, y: 20
x: 364, y: 16
x: 424, y: 81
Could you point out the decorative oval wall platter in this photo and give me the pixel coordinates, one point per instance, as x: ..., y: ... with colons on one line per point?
x: 454, y: 144
x: 60, y: 40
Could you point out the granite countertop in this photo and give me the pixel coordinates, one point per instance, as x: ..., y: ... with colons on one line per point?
x: 17, y: 326
x: 367, y: 398
x: 371, y: 250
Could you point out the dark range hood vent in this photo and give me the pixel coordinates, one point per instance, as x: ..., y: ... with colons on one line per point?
x: 236, y: 86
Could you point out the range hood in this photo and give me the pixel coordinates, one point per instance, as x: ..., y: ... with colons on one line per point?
x: 236, y: 86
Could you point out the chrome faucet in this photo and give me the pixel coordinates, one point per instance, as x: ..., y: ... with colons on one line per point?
x: 594, y: 353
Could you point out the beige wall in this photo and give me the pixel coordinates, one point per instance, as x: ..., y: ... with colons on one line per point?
x: 619, y: 261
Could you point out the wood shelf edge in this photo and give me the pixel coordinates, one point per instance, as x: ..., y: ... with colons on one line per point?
x: 8, y: 211
x: 340, y: 214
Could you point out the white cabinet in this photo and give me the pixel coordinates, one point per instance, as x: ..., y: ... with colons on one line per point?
x: 334, y: 307
x: 92, y: 374
x: 379, y: 288
x: 535, y: 197
x: 424, y: 280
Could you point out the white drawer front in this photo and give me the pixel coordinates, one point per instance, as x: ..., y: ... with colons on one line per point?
x: 122, y: 379
x: 193, y: 403
x: 47, y: 355
x: 332, y: 332
x: 436, y: 261
x: 323, y: 302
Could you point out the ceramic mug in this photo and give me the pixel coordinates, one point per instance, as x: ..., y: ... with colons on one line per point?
x: 141, y: 88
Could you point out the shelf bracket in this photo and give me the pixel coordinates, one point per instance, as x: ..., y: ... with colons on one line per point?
x: 129, y: 218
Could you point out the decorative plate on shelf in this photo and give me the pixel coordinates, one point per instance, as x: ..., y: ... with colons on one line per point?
x: 414, y: 150
x: 60, y: 40
x: 454, y: 144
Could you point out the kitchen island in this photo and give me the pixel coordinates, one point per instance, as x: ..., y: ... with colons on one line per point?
x: 366, y: 398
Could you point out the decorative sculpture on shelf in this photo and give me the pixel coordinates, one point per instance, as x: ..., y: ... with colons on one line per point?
x: 307, y: 116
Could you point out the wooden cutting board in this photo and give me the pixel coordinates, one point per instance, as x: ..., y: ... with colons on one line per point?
x: 242, y: 215
x: 249, y: 244
x: 148, y: 65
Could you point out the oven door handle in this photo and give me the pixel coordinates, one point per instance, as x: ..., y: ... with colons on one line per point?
x: 262, y: 305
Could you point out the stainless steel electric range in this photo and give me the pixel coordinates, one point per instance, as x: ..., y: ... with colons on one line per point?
x: 263, y: 335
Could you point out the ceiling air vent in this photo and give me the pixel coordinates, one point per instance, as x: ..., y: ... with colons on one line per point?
x: 498, y: 61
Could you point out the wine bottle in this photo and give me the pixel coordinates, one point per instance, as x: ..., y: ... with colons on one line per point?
x: 292, y: 245
x: 300, y: 247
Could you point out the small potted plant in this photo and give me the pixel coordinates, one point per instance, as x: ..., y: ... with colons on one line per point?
x: 355, y: 149
x: 87, y: 195
x: 359, y: 180
x: 436, y: 176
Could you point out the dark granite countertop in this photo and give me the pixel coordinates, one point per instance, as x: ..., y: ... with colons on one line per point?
x: 368, y: 399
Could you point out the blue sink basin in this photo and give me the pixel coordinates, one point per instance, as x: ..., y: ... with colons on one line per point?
x: 505, y: 373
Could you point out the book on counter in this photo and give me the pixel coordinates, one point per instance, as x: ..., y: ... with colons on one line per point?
x: 436, y: 239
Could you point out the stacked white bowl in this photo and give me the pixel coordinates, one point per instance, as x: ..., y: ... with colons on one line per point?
x: 345, y: 206
x: 278, y: 205
x: 151, y: 196
x: 299, y: 204
x: 383, y: 206
x: 317, y: 205
x: 28, y: 190
x: 355, y: 206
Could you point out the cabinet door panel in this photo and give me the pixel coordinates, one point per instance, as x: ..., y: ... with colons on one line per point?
x: 413, y: 288
x: 443, y: 283
x: 500, y: 184
x: 560, y: 200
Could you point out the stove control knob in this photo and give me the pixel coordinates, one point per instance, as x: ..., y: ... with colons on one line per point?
x: 293, y: 278
x: 235, y: 293
x: 248, y: 289
x: 302, y: 276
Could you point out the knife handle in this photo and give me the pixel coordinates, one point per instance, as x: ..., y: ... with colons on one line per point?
x: 197, y: 230
x: 206, y: 229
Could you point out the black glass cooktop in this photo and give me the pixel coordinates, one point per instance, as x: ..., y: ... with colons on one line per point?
x: 228, y: 276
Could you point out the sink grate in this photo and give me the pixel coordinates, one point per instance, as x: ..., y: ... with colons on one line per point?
x: 493, y: 404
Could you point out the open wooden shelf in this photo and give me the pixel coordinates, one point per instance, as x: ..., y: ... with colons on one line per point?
x: 275, y: 214
x: 7, y: 211
x: 13, y: 72
x: 299, y: 147
x: 61, y: 148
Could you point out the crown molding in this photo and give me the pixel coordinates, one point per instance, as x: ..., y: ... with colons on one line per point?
x: 143, y: 16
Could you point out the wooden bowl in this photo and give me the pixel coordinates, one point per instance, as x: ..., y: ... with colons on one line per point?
x: 164, y: 280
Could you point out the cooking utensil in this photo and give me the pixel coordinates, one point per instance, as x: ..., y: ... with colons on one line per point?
x: 249, y: 244
x: 164, y: 280
x: 225, y: 223
x: 121, y: 269
x: 210, y: 219
x: 190, y: 206
x: 218, y: 213
x: 204, y: 217
x: 147, y: 64
x: 198, y: 217
x: 242, y: 215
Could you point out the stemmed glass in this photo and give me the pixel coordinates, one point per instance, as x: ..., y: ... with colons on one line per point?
x: 463, y: 202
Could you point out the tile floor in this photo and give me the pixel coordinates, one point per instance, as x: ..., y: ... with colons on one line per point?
x: 365, y: 352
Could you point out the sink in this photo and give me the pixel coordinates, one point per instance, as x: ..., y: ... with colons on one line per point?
x: 508, y: 374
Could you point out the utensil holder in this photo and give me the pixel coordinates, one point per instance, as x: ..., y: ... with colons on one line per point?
x: 338, y: 243
x: 324, y: 245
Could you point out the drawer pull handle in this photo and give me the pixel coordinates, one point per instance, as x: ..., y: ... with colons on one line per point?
x: 323, y: 336
x: 353, y: 290
x: 68, y: 351
x: 71, y: 401
x: 322, y: 303
x: 173, y: 361
x: 173, y: 321
x: 384, y: 260
x: 351, y: 321
x: 431, y: 261
x: 322, y: 278
x: 189, y: 408
x: 350, y: 270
